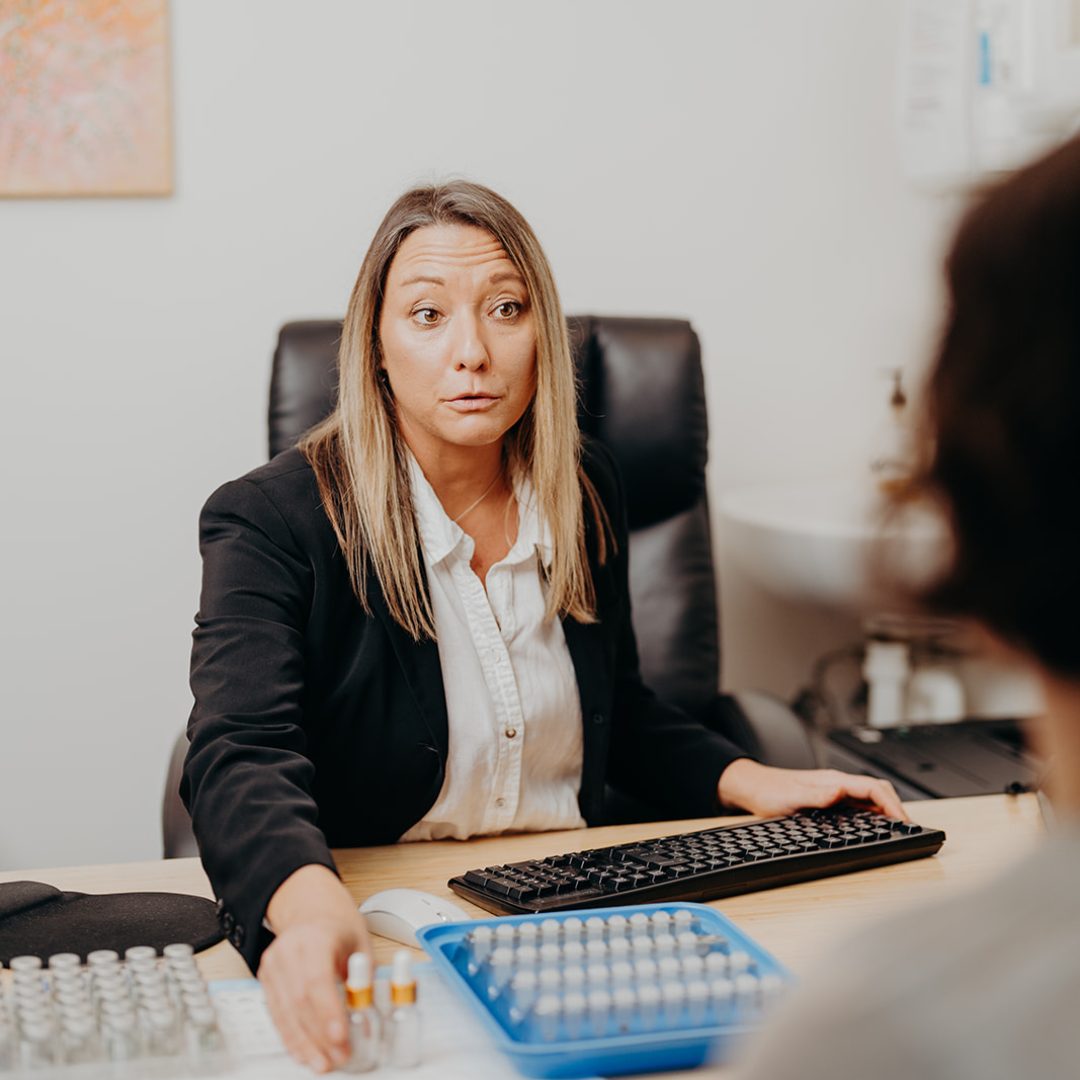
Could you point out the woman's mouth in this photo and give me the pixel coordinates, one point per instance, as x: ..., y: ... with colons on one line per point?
x: 472, y: 402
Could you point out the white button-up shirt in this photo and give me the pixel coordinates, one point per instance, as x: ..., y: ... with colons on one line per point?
x: 515, y: 742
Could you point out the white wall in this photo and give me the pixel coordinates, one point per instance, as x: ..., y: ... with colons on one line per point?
x: 730, y: 162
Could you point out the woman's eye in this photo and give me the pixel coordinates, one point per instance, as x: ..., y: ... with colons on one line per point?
x: 508, y: 309
x: 427, y: 316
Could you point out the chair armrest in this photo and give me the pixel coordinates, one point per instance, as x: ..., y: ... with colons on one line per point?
x: 178, y: 841
x: 765, y: 727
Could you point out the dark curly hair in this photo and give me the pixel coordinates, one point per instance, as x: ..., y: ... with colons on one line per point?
x: 1002, y: 410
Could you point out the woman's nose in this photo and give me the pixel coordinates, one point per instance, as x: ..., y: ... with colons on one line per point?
x: 470, y: 352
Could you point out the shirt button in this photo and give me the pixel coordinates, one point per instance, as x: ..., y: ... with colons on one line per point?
x: 511, y: 732
x: 500, y: 801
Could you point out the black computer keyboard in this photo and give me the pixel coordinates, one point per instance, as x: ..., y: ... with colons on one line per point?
x: 702, y: 865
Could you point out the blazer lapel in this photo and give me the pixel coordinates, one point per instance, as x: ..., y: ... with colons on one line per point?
x: 420, y: 664
x: 585, y: 642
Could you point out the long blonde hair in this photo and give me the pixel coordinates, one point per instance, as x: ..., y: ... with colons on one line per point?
x: 358, y: 454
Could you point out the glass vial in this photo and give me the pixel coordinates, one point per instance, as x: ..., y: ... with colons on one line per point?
x: 403, y: 1025
x: 364, y: 1026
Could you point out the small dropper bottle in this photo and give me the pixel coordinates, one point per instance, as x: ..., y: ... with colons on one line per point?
x: 364, y: 1026
x: 403, y: 1025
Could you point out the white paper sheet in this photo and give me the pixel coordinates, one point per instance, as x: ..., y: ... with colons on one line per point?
x: 456, y: 1046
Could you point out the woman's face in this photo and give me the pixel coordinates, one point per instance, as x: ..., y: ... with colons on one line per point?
x: 458, y: 339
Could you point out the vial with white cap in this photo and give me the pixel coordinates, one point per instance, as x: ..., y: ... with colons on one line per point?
x: 721, y: 991
x: 574, y: 1006
x: 364, y: 1026
x: 617, y: 926
x: 683, y: 920
x: 649, y: 998
x: 739, y: 961
x: 179, y: 952
x: 500, y: 968
x: 479, y: 942
x: 693, y: 966
x: 716, y: 963
x: 645, y: 970
x: 697, y: 1000
x: 546, y: 1016
x: 550, y: 930
x: 550, y: 954
x: 403, y: 1023
x: 523, y: 991
x: 506, y: 934
x: 672, y: 996
x: 8, y: 1043
x: 599, y: 1005
x: 37, y: 1051
x: 661, y: 923
x: 573, y: 953
x: 573, y: 928
x: 623, y: 1000
x: 528, y: 956
x: 205, y: 1039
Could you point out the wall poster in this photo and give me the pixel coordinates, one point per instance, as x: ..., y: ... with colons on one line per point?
x: 84, y: 98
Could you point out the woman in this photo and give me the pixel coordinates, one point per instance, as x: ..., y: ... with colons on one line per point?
x: 987, y: 984
x: 417, y: 623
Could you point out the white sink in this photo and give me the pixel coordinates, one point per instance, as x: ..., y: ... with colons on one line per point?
x: 820, y: 542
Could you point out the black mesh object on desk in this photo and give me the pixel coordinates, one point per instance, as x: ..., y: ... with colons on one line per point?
x: 722, y: 861
x: 40, y: 920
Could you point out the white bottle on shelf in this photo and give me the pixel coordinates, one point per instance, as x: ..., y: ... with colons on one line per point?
x: 886, y: 668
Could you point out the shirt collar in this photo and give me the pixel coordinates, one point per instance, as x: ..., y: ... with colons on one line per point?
x: 438, y: 534
x: 441, y: 537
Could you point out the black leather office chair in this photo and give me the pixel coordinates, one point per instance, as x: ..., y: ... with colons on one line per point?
x: 642, y: 393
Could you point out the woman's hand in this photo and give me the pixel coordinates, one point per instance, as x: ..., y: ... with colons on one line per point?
x: 770, y: 792
x: 317, y: 928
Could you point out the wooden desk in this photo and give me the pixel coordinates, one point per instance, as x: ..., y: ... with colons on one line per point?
x: 798, y: 923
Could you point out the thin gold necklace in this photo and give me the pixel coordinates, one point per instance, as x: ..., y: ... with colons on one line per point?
x: 472, y: 506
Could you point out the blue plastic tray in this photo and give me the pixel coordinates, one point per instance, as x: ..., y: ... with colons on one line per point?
x: 679, y: 1047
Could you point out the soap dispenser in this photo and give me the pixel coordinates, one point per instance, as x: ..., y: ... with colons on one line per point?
x: 891, y: 466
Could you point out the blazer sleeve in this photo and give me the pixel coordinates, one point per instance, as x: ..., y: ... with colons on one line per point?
x: 247, y: 778
x: 658, y: 752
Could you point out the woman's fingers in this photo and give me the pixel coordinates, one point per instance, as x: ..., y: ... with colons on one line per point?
x: 299, y: 973
x: 865, y: 789
x: 324, y: 1017
x: 771, y: 792
x: 286, y: 1014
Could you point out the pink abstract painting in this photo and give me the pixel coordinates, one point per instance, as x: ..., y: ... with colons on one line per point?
x: 84, y: 98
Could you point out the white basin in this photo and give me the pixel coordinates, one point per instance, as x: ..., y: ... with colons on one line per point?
x: 824, y: 542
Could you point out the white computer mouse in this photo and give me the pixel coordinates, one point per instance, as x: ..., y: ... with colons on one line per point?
x: 398, y: 913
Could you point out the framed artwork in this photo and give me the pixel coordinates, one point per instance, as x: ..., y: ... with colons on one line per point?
x: 84, y: 98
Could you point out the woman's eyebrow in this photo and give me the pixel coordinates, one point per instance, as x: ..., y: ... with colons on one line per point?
x: 506, y: 275
x: 423, y: 279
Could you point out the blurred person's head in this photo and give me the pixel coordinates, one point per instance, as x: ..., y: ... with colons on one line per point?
x: 1003, y: 408
x: 1003, y: 438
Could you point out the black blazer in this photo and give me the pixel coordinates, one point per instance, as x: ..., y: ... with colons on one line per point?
x: 318, y: 726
